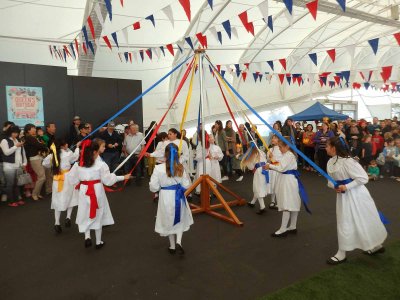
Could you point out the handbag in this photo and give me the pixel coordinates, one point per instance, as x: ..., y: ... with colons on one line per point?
x: 23, y: 177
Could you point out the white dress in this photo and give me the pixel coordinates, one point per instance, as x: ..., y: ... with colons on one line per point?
x: 358, y: 222
x: 216, y: 156
x: 287, y: 188
x: 64, y: 199
x: 260, y: 186
x: 99, y: 171
x: 166, y: 203
x: 273, y: 175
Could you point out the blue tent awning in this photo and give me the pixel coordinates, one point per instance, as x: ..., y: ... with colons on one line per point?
x: 318, y: 111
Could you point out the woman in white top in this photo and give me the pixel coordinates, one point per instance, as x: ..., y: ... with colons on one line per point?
x: 89, y: 176
x: 173, y: 213
x: 274, y: 157
x: 216, y: 156
x: 60, y: 160
x: 201, y: 160
x: 358, y: 222
x: 14, y: 159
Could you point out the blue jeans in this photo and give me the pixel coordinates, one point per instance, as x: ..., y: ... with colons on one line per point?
x: 11, y: 188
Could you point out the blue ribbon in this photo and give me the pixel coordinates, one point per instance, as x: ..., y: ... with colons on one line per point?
x: 172, y: 157
x: 343, y: 142
x: 179, y: 197
x: 302, y: 190
x: 252, y: 145
x: 264, y: 172
x: 277, y: 133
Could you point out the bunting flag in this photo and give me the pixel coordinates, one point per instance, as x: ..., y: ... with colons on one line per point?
x: 122, y: 3
x: 85, y: 34
x: 136, y: 25
x: 162, y: 50
x: 270, y: 23
x: 331, y: 84
x: 99, y: 14
x: 77, y: 47
x: 342, y: 4
x: 271, y: 64
x: 109, y: 8
x: 313, y: 8
x: 90, y: 23
x: 72, y: 49
x: 247, y: 65
x: 219, y: 35
x: 337, y: 79
x: 283, y: 63
x: 313, y: 57
x: 238, y: 71
x: 255, y: 76
x: 244, y: 76
x: 386, y: 73
x: 107, y: 41
x: 65, y: 55
x: 367, y: 85
x: 281, y: 77
x: 180, y: 45
x: 234, y: 32
x: 91, y: 47
x: 249, y: 26
x: 227, y: 27
x: 141, y: 55
x: 189, y: 41
x: 260, y: 76
x: 346, y: 76
x: 289, y: 5
x: 130, y: 57
x: 374, y: 43
x: 332, y: 54
x: 84, y: 48
x: 67, y: 51
x: 223, y: 73
x: 168, y: 12
x: 51, y: 51
x: 210, y: 2
x: 397, y: 37
x: 149, y: 53
x: 114, y: 36
x: 263, y: 7
x: 170, y: 49
x: 186, y: 7
x: 289, y: 79
x: 151, y: 19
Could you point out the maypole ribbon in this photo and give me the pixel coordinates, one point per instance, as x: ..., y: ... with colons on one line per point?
x: 138, y: 97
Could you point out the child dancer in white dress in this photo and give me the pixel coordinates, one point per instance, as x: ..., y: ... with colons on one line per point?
x: 358, y: 222
x: 201, y: 160
x: 216, y: 156
x: 287, y: 190
x: 254, y: 159
x: 173, y: 214
x: 274, y: 157
x: 89, y: 176
x: 60, y: 160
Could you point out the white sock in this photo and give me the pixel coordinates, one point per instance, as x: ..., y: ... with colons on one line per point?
x: 98, y: 236
x: 69, y: 212
x: 273, y: 198
x: 254, y: 200
x: 340, y: 255
x: 87, y: 234
x: 179, y: 238
x: 261, y: 202
x: 171, y: 241
x: 293, y: 220
x: 57, y: 215
x: 285, y: 220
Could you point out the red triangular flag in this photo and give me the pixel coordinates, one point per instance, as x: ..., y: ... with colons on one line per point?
x: 107, y: 41
x: 136, y: 25
x: 313, y: 7
x: 170, y: 49
x: 244, y: 76
x: 393, y: 85
x: 122, y: 3
x: 149, y: 54
x: 202, y: 39
x: 244, y: 19
x: 386, y: 73
x: 337, y: 79
x: 281, y: 77
x: 77, y: 47
x: 186, y: 6
x: 250, y: 28
x: 84, y: 48
x: 397, y: 37
x: 332, y: 54
x: 130, y: 57
x: 90, y: 23
x: 66, y: 50
x: 283, y: 63
x: 218, y: 68
x: 247, y: 65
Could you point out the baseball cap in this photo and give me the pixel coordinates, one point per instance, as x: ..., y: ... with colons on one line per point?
x: 77, y: 118
x: 111, y: 124
x: 82, y: 126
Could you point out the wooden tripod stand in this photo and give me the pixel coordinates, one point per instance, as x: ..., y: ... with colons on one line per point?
x: 207, y: 184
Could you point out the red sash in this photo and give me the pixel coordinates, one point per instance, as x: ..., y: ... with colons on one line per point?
x: 92, y: 195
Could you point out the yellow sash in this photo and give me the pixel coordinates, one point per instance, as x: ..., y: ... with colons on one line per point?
x: 60, y: 179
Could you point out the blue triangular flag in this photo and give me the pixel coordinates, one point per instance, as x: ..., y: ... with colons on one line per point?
x: 219, y: 34
x: 65, y: 55
x: 91, y: 46
x: 151, y: 18
x: 289, y: 5
x: 210, y: 2
x: 114, y: 36
x: 313, y: 57
x: 72, y: 48
x: 374, y: 43
x: 223, y: 73
x: 340, y: 75
x: 189, y: 41
x: 227, y: 27
x: 180, y: 48
x: 126, y: 56
x: 255, y: 75
x: 289, y: 79
x: 211, y: 70
x: 162, y: 50
x: 260, y: 76
x: 85, y: 34
x: 346, y: 75
x: 270, y: 23
x: 109, y: 8
x: 141, y: 55
x: 323, y: 80
x: 331, y: 84
x: 366, y: 85
x: 237, y: 66
x: 342, y: 4
x: 271, y: 64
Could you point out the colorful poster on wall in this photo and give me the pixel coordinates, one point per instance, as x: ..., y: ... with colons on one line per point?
x: 25, y: 105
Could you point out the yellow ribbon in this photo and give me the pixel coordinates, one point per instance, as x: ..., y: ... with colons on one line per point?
x: 187, y: 103
x: 54, y: 150
x: 60, y: 179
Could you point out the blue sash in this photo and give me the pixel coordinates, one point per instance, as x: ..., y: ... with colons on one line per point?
x: 384, y: 220
x: 264, y: 172
x: 179, y: 196
x: 302, y: 191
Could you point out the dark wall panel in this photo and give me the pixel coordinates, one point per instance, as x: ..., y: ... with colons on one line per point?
x: 127, y: 91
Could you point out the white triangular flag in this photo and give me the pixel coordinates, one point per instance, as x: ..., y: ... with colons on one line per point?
x: 351, y: 49
x: 234, y: 32
x: 168, y: 12
x: 268, y: 77
x: 213, y: 32
x: 263, y: 7
x: 98, y: 14
x: 125, y: 33
x: 157, y: 52
x: 135, y: 56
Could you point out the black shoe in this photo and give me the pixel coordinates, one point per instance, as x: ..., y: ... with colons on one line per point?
x: 171, y: 251
x: 88, y: 243
x: 335, y: 261
x: 292, y: 231
x: 58, y: 228
x: 250, y: 204
x: 261, y: 211
x: 273, y: 206
x: 67, y: 222
x: 101, y: 245
x: 180, y: 249
x: 370, y: 252
x: 283, y: 234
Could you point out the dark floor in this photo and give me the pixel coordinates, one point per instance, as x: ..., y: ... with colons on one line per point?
x: 222, y: 261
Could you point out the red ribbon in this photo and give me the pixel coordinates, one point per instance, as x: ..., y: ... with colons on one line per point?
x: 92, y: 195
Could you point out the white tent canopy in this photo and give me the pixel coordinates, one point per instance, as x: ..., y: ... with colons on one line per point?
x: 28, y: 27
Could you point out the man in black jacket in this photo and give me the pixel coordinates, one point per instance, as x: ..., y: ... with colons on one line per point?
x: 113, y: 146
